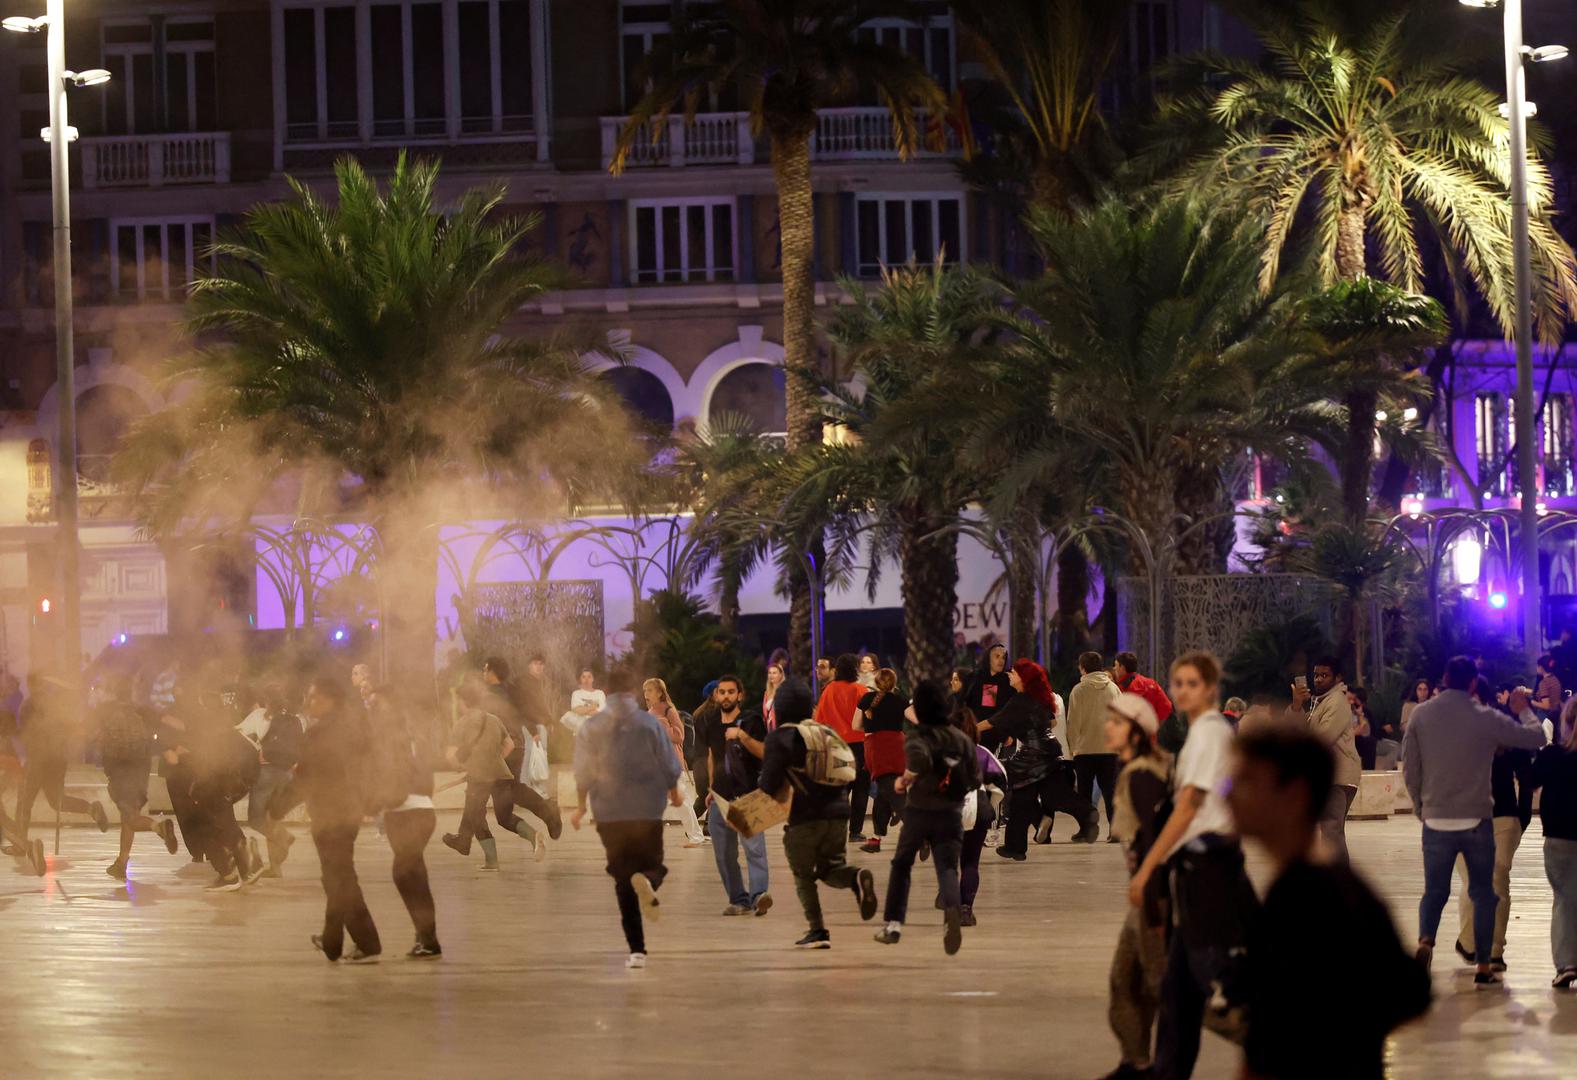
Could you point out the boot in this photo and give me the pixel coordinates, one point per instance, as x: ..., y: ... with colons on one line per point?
x: 525, y: 832
x: 489, y: 853
x: 1090, y: 833
x: 453, y: 842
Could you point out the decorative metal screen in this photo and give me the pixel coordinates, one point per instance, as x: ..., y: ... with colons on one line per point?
x: 1215, y: 611
x: 562, y: 620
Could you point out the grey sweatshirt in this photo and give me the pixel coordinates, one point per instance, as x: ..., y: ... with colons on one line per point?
x: 1449, y: 749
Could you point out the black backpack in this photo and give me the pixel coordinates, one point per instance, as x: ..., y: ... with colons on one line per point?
x: 691, y: 737
x: 956, y: 769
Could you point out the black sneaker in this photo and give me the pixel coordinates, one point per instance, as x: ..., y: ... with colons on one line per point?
x: 1487, y: 980
x: 100, y: 818
x: 1463, y: 952
x: 1497, y: 964
x: 1565, y: 979
x: 925, y: 852
x: 1089, y: 834
x: 873, y: 846
x: 814, y: 939
x: 952, y: 934
x: 166, y: 832
x: 865, y: 889
x: 966, y: 917
x: 555, y: 821
x: 452, y: 842
x: 423, y: 951
x: 1425, y: 955
x: 888, y: 936
x: 1016, y: 856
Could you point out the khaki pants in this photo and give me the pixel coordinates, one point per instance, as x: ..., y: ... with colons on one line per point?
x: 1137, y: 969
x: 1508, y: 836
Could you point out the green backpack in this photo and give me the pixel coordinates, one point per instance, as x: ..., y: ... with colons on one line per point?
x: 828, y: 759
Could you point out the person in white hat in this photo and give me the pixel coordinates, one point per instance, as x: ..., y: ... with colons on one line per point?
x: 1140, y: 960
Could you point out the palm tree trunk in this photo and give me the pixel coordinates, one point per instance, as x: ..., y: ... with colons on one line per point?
x: 929, y: 567
x: 1350, y: 261
x: 1357, y: 458
x: 408, y: 585
x: 797, y: 233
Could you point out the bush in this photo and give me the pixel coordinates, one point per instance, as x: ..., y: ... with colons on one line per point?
x: 677, y: 640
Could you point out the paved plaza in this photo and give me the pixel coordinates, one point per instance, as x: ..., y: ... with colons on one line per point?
x: 159, y: 979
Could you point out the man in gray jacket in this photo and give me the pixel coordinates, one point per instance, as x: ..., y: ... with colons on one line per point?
x: 1331, y: 721
x: 1087, y: 705
x: 1447, y: 755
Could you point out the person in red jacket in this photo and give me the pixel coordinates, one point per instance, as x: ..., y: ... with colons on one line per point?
x: 839, y: 702
x: 1125, y: 673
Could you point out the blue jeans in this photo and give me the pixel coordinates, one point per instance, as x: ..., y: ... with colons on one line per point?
x: 1560, y: 866
x: 270, y: 779
x: 725, y: 846
x: 1477, y: 848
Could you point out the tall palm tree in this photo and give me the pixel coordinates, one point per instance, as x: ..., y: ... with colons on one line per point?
x: 355, y: 358
x: 897, y: 484
x: 789, y: 59
x: 1372, y: 142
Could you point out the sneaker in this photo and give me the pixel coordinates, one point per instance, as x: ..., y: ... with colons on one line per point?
x: 36, y: 855
x: 952, y: 934
x: 872, y: 846
x: 763, y: 904
x: 636, y: 962
x: 1565, y: 979
x: 356, y: 956
x: 738, y: 909
x: 1487, y: 980
x: 230, y: 882
x: 966, y: 917
x: 166, y: 832
x: 116, y: 870
x: 1497, y: 964
x: 1089, y: 834
x: 814, y: 939
x: 865, y: 889
x: 1465, y: 953
x: 453, y: 843
x: 1043, y: 833
x: 555, y: 821
x: 489, y: 867
x: 1425, y: 955
x: 423, y: 951
x: 651, y: 907
x: 888, y: 936
x: 257, y: 867
x: 317, y: 943
x: 1016, y: 856
x: 689, y: 844
x: 100, y: 818
x: 12, y: 849
x: 539, y: 849
x: 856, y: 838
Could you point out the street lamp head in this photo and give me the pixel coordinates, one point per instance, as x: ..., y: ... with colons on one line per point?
x: 90, y: 77
x: 1530, y: 109
x: 1479, y: 3
x: 21, y: 24
x: 1546, y: 53
x: 48, y: 136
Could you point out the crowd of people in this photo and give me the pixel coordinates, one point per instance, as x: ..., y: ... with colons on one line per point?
x: 984, y: 760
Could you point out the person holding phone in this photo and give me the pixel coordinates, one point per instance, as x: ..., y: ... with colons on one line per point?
x: 988, y: 691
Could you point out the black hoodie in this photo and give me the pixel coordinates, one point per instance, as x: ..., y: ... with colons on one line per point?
x: 784, y: 751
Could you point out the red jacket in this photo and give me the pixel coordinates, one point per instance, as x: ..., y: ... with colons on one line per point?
x: 1151, y: 691
x: 836, y: 709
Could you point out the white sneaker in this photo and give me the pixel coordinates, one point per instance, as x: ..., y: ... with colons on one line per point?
x: 540, y: 849
x: 636, y: 962
x: 651, y: 907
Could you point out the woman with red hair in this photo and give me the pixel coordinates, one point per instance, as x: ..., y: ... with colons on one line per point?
x: 1041, y: 780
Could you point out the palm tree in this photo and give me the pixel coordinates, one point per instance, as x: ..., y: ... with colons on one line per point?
x: 1372, y: 141
x: 897, y: 486
x: 1361, y: 559
x: 355, y: 358
x: 789, y: 59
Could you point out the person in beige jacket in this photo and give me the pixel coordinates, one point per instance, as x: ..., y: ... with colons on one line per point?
x: 1331, y: 719
x: 1088, y: 703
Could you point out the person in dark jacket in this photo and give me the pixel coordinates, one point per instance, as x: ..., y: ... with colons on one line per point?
x: 989, y: 689
x: 940, y: 772
x: 331, y: 779
x: 1042, y: 782
x: 125, y: 749
x: 1555, y: 770
x: 51, y: 736
x: 815, y: 840
x: 409, y: 826
x: 881, y: 718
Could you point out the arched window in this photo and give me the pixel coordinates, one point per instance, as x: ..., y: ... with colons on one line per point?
x: 103, y: 414
x: 754, y: 390
x: 644, y: 393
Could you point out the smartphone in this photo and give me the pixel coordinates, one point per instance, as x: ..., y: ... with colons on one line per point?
x: 1301, y: 682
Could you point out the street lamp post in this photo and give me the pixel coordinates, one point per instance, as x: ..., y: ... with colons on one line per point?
x: 1517, y: 54
x: 59, y: 135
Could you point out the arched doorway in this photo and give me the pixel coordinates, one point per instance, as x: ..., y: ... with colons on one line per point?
x: 644, y: 393
x: 753, y: 390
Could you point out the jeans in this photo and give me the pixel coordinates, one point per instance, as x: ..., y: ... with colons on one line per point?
x: 943, y: 830
x: 1333, y: 820
x: 1508, y: 837
x: 408, y: 832
x: 270, y: 780
x: 1560, y: 866
x: 1477, y: 848
x: 1092, y: 769
x: 344, y: 908
x: 633, y: 847
x: 816, y: 853
x: 860, y: 793
x: 725, y: 847
x: 1135, y: 986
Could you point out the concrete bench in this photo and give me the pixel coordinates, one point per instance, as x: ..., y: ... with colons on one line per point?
x: 1376, y: 798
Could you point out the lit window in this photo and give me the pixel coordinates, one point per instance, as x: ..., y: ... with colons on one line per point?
x: 1492, y: 434
x: 893, y: 229
x: 682, y: 240
x: 1558, y: 479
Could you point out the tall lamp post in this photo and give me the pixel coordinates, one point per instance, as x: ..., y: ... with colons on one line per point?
x: 1517, y: 110
x: 59, y: 135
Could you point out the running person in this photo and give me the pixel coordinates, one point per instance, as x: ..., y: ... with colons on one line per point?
x: 125, y: 749
x: 48, y: 735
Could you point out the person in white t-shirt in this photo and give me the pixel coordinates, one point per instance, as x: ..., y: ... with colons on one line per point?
x: 585, y: 701
x: 1200, y: 845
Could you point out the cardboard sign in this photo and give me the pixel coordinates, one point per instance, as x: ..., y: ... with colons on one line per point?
x: 752, y: 814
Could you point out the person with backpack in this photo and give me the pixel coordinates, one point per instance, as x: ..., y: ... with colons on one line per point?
x: 403, y: 790
x: 274, y: 730
x: 881, y: 718
x: 660, y: 705
x: 125, y: 750
x: 809, y: 765
x: 625, y: 769
x: 51, y: 738
x: 479, y: 747
x: 217, y: 766
x: 940, y: 773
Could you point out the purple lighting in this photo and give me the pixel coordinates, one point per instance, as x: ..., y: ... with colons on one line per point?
x: 1497, y: 600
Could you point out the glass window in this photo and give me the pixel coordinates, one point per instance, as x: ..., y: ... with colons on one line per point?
x: 754, y: 390
x: 893, y: 229
x: 683, y: 240
x: 1558, y: 479
x: 301, y: 73
x: 181, y: 50
x: 1492, y: 436
x: 157, y: 259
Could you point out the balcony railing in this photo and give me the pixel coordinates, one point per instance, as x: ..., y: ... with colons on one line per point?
x: 710, y: 139
x: 156, y: 160
x: 867, y: 133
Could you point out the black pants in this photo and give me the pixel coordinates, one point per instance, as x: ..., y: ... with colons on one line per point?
x: 213, y: 820
x: 408, y: 832
x: 1051, y: 795
x: 48, y: 776
x: 860, y: 794
x: 473, y: 818
x: 969, y: 860
x: 344, y: 909
x: 178, y: 779
x: 888, y: 805
x: 532, y: 802
x: 1092, y: 769
x: 944, y: 831
x: 633, y: 847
